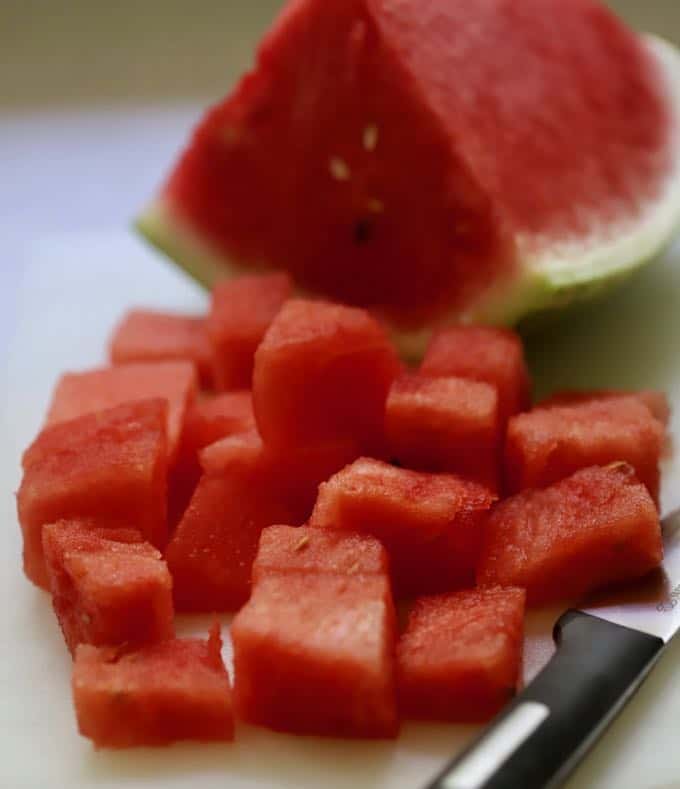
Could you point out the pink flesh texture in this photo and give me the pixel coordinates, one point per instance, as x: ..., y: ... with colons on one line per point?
x: 455, y: 121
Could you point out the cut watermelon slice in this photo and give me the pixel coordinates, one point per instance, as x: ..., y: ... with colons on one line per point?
x: 548, y: 444
x: 445, y: 424
x: 431, y: 524
x: 405, y: 157
x: 152, y: 336
x: 77, y: 394
x: 109, y: 587
x: 175, y: 690
x: 109, y: 466
x: 460, y: 656
x: 597, y: 527
x: 314, y: 654
x: 289, y: 549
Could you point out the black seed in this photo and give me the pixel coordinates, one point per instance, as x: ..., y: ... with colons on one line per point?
x: 363, y: 231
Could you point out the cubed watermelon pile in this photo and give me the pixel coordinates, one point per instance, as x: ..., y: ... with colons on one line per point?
x: 276, y: 460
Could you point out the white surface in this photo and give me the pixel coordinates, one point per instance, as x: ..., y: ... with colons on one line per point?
x: 73, y: 288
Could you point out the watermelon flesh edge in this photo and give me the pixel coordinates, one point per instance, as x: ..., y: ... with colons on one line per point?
x: 553, y: 278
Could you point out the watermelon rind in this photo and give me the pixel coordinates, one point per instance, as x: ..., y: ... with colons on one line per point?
x: 553, y: 278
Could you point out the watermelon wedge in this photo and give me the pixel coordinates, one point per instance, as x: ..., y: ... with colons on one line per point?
x: 404, y: 157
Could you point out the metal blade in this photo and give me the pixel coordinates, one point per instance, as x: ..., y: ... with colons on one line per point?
x: 651, y: 605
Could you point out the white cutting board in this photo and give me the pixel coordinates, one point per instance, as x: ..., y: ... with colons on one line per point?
x: 73, y: 289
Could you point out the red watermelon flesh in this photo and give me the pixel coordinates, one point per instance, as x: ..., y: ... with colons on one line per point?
x: 404, y: 141
x: 288, y: 549
x: 548, y: 444
x: 209, y: 419
x: 314, y: 654
x: 151, y: 336
x: 445, y: 424
x: 77, y: 394
x: 656, y: 402
x: 214, y: 417
x: 293, y: 475
x: 109, y: 466
x: 460, y: 656
x: 175, y: 690
x: 322, y: 373
x: 431, y: 524
x: 597, y: 527
x: 482, y: 353
x: 210, y: 555
x: 108, y: 587
x: 240, y: 314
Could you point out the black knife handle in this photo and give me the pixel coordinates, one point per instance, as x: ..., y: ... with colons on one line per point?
x: 538, y: 739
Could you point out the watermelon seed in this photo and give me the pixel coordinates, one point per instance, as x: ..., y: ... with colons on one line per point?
x: 339, y: 169
x: 375, y: 205
x: 354, y: 568
x: 302, y: 542
x: 363, y: 231
x: 370, y: 137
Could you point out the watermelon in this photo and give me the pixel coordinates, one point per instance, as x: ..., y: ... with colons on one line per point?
x: 150, y: 336
x: 240, y: 314
x: 460, y: 657
x: 431, y: 524
x: 287, y: 549
x: 213, y: 417
x: 656, y: 402
x: 293, y: 475
x: 212, y: 549
x: 597, y: 527
x: 109, y: 466
x: 174, y: 690
x: 405, y: 156
x: 482, y: 353
x: 548, y: 444
x: 77, y: 394
x: 445, y: 424
x: 109, y: 587
x: 322, y: 373
x: 314, y: 654
x: 207, y: 420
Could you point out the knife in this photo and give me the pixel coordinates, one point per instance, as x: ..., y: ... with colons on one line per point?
x: 604, y: 653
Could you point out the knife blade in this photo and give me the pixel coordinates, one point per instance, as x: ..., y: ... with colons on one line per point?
x: 605, y: 650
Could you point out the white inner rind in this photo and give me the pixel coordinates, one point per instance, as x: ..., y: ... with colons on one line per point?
x: 565, y: 273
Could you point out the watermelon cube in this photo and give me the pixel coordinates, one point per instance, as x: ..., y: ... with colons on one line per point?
x: 482, y: 353
x: 110, y: 466
x: 288, y: 549
x: 151, y: 336
x: 656, y: 402
x: 108, y: 586
x: 597, y: 527
x: 174, y: 690
x: 460, y: 657
x: 210, y: 418
x: 240, y: 314
x: 314, y: 654
x: 214, y: 417
x: 293, y: 475
x: 445, y: 424
x: 548, y: 444
x: 322, y: 373
x: 77, y: 394
x: 212, y: 550
x: 431, y: 524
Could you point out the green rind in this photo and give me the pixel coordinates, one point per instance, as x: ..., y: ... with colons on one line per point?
x: 548, y: 281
